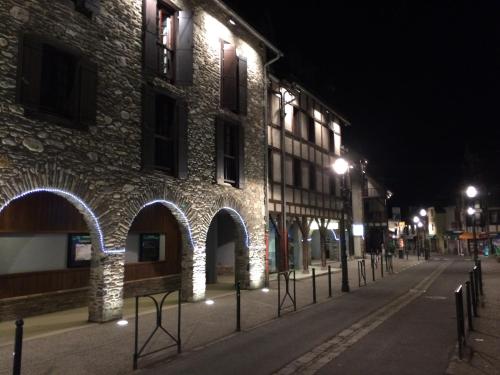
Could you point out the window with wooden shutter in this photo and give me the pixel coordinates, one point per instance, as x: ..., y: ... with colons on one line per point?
x: 233, y: 80
x: 56, y: 83
x: 230, y: 145
x: 164, y: 133
x: 168, y: 41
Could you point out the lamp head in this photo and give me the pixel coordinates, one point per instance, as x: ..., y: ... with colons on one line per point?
x: 423, y: 212
x: 416, y: 219
x: 340, y: 166
x: 471, y: 191
x: 471, y: 211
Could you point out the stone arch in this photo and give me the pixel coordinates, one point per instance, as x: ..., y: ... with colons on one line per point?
x: 237, y: 213
x: 179, y: 208
x: 106, y: 275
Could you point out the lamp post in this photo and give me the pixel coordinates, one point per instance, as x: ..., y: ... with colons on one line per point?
x: 471, y: 193
x: 416, y: 221
x: 425, y: 227
x: 340, y: 166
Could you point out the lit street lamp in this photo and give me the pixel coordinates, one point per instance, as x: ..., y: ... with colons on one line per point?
x: 340, y: 167
x: 471, y: 193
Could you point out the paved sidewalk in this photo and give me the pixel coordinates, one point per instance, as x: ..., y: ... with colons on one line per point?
x: 108, y: 348
x: 482, y: 354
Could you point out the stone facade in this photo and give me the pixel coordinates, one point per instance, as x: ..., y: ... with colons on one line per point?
x: 99, y: 170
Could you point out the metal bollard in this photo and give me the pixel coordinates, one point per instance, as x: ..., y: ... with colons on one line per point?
x: 18, y: 347
x: 469, y: 308
x: 314, y: 284
x: 238, y: 306
x: 382, y: 265
x: 473, y: 293
x: 476, y: 283
x: 329, y: 281
x: 480, y: 272
x: 373, y: 266
x: 460, y: 319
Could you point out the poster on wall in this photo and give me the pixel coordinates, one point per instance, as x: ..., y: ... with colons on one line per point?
x: 149, y: 250
x: 79, y: 250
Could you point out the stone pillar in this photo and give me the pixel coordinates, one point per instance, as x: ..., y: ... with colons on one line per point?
x: 198, y: 273
x: 106, y: 287
x: 257, y: 266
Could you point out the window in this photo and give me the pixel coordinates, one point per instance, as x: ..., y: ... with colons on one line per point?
x: 87, y: 7
x: 168, y: 41
x: 297, y: 175
x: 311, y: 133
x: 312, y: 177
x: 230, y: 152
x: 333, y: 188
x: 56, y: 83
x: 331, y: 141
x: 296, y: 122
x: 234, y: 80
x: 164, y: 138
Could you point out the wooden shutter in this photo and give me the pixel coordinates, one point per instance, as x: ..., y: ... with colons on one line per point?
x: 242, y: 85
x: 88, y: 93
x: 229, y: 97
x: 241, y: 156
x: 219, y: 149
x: 150, y: 37
x: 184, y: 49
x: 148, y: 127
x: 181, y: 141
x: 29, y: 72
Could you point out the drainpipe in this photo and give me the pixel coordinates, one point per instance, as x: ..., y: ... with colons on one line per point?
x: 266, y: 161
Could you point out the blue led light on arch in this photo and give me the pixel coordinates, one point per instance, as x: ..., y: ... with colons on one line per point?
x: 247, y: 239
x: 80, y: 202
x: 162, y: 201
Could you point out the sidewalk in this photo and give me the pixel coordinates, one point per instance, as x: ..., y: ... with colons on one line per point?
x: 108, y: 348
x: 482, y: 354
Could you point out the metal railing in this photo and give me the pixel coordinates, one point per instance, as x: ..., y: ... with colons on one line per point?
x: 281, y: 302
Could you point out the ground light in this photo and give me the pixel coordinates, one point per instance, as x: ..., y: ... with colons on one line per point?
x: 209, y: 302
x: 122, y: 323
x: 265, y: 290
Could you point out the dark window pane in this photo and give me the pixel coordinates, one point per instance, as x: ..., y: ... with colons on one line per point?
x: 312, y: 178
x: 166, y: 41
x: 297, y: 175
x: 311, y: 132
x: 165, y: 116
x: 164, y: 153
x: 230, y: 153
x: 59, y: 82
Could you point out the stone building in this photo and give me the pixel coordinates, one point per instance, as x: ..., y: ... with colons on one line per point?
x: 132, y: 133
x: 304, y: 139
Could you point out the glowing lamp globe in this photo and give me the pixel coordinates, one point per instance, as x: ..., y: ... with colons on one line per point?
x: 340, y: 166
x: 471, y: 192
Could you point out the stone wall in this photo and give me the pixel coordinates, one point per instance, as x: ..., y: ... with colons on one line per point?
x: 102, y: 166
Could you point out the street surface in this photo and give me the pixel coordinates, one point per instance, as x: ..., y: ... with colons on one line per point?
x: 400, y: 325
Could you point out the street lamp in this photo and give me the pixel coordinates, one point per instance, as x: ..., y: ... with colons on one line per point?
x: 472, y: 192
x: 340, y: 167
x: 423, y: 212
x: 425, y: 226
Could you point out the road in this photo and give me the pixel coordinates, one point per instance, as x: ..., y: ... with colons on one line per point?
x: 402, y: 325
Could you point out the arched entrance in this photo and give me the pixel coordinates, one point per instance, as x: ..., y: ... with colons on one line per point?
x: 153, y: 253
x: 227, y: 260
x: 47, y: 240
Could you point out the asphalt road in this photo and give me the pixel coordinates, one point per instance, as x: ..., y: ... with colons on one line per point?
x: 416, y: 339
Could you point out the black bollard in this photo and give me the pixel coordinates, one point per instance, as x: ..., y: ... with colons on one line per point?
x: 473, y: 293
x: 469, y: 303
x: 480, y: 272
x: 314, y: 284
x: 329, y: 281
x: 18, y: 347
x: 373, y: 267
x: 238, y: 307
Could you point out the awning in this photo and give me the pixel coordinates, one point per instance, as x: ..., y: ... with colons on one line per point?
x: 470, y: 236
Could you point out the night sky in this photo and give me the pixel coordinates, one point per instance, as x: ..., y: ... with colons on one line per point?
x: 419, y: 81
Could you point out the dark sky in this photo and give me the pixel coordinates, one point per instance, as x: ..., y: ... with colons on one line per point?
x: 419, y: 81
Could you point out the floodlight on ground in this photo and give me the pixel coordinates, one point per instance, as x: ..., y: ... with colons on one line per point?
x: 209, y: 302
x: 122, y: 323
x: 265, y: 290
